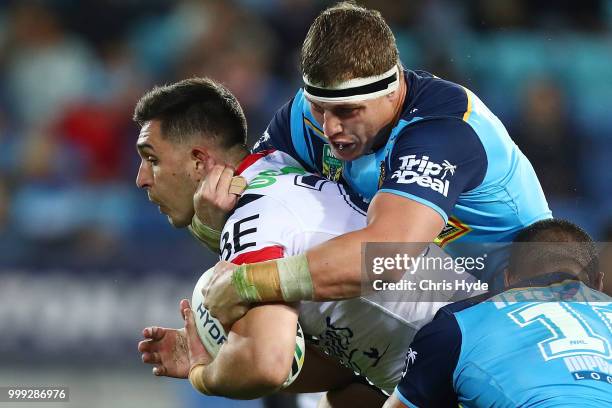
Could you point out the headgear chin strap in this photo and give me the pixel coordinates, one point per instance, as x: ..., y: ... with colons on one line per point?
x: 357, y: 89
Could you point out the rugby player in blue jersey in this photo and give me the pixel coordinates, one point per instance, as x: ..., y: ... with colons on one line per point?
x: 544, y: 342
x: 430, y: 158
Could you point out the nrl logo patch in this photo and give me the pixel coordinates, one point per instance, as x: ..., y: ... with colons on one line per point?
x: 332, y: 167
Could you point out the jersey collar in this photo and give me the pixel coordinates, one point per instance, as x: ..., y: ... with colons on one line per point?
x: 249, y: 160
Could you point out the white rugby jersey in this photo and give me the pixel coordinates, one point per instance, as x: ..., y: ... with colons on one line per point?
x: 284, y: 212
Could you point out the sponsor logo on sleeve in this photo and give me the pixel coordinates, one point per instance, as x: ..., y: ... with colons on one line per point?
x: 425, y: 173
x: 453, y: 229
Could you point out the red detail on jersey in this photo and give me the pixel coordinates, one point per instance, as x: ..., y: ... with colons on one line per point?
x: 261, y: 255
x: 250, y: 159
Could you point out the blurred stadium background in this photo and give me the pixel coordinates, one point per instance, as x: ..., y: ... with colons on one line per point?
x: 86, y: 261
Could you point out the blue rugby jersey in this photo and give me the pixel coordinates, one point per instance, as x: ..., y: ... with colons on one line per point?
x: 518, y: 348
x: 448, y: 151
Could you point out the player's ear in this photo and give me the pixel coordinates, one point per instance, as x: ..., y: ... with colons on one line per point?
x: 201, y: 159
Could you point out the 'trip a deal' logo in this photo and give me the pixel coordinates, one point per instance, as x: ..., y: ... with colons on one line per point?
x: 425, y: 173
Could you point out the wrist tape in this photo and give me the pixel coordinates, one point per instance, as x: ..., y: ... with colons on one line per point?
x: 285, y: 279
x: 196, y: 378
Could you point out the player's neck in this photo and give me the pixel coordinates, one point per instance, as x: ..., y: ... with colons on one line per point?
x: 235, y: 155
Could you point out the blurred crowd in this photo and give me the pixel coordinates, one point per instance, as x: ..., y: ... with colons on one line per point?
x: 71, y: 72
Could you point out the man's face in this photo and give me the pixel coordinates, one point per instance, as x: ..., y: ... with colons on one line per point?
x: 167, y: 172
x: 352, y: 128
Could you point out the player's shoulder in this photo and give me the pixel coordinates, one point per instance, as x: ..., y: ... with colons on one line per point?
x: 277, y: 179
x: 459, y: 306
x: 443, y: 326
x: 434, y: 113
x: 430, y: 96
x: 267, y: 173
x: 457, y: 319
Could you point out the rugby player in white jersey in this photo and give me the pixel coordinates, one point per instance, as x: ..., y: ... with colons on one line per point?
x: 192, y: 126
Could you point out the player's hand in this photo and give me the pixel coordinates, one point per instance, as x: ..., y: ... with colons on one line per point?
x: 215, y: 196
x: 166, y: 350
x: 221, y: 298
x: 197, y: 352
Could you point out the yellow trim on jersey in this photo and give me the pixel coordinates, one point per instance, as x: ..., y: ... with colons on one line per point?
x: 313, y: 127
x: 468, y: 111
